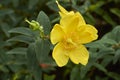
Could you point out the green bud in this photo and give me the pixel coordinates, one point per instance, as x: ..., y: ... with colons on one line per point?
x: 34, y: 25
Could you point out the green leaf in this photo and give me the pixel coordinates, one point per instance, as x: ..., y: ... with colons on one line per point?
x: 89, y: 18
x: 115, y: 32
x: 82, y: 9
x: 17, y: 60
x: 113, y: 35
x: 49, y: 77
x: 22, y: 30
x: 105, y: 51
x: 75, y: 73
x: 96, y: 44
x: 116, y: 56
x: 114, y: 75
x: 108, y: 41
x: 102, y: 43
x: 85, y: 69
x: 52, y: 6
x: 3, y: 57
x: 28, y: 77
x: 97, y: 5
x: 5, y: 27
x: 109, y: 19
x: 6, y: 12
x: 100, y: 67
x: 4, y: 68
x: 15, y: 3
x: 43, y: 20
x: 115, y: 11
x: 107, y: 59
x: 74, y: 2
x: 21, y: 38
x: 105, y: 16
x: 33, y: 64
x: 42, y: 49
x: 32, y: 3
x: 19, y: 50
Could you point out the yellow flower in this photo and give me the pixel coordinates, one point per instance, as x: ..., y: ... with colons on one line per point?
x: 69, y: 37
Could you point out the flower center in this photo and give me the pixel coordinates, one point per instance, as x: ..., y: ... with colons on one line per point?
x: 69, y: 44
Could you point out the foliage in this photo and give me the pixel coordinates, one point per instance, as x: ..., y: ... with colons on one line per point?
x: 24, y: 55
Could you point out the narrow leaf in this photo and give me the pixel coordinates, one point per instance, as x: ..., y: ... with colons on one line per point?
x: 44, y: 21
x: 115, y: 11
x: 42, y: 49
x: 33, y: 64
x: 19, y: 50
x: 21, y: 38
x: 100, y: 67
x: 22, y: 30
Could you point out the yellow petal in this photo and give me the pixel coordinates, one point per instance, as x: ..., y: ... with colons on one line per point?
x: 60, y: 55
x: 81, y: 19
x: 69, y: 23
x: 63, y: 11
x: 56, y: 34
x: 86, y: 34
x: 79, y: 55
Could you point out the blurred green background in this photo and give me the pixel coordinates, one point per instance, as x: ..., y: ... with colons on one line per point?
x: 25, y: 56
